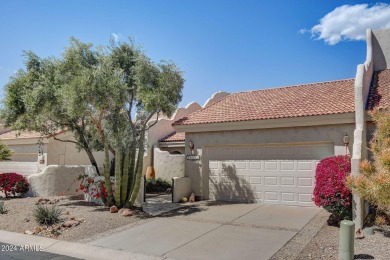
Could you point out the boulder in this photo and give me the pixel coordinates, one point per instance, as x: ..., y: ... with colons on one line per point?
x: 113, y: 209
x: 127, y: 213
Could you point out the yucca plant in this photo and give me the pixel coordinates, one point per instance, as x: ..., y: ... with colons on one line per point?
x: 47, y: 215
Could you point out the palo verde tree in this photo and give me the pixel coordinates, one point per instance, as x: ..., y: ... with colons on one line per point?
x: 37, y: 98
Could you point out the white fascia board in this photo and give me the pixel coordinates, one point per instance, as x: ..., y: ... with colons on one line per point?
x: 346, y: 118
x: 171, y: 144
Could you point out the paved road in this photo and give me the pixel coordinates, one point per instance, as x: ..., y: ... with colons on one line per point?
x: 8, y: 252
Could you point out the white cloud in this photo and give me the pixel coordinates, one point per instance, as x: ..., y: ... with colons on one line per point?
x: 349, y: 22
x: 116, y: 36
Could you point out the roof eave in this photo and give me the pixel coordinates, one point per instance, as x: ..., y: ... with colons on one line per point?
x: 333, y: 119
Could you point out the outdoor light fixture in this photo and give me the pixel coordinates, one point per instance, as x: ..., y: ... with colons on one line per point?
x: 191, y: 146
x: 346, y: 142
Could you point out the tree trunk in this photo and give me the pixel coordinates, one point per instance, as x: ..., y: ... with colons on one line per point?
x: 87, y: 149
x: 118, y: 173
x: 138, y: 173
x: 92, y: 159
x: 107, y: 175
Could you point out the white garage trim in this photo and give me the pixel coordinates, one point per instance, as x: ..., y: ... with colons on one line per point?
x: 272, y: 174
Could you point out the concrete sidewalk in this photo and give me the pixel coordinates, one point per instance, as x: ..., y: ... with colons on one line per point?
x: 56, y: 249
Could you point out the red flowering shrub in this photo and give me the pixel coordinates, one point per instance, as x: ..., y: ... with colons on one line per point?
x: 13, y: 184
x: 93, y: 186
x: 330, y: 190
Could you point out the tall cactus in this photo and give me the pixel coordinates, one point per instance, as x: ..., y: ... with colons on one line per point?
x: 107, y: 174
x: 138, y: 171
x: 118, y: 173
x: 125, y: 177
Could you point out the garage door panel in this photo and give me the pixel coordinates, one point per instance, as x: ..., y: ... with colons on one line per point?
x: 275, y: 175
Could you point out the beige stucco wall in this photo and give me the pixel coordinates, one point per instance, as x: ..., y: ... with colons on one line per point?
x: 325, y: 133
x: 65, y: 153
x: 381, y: 49
x: 167, y: 166
x: 173, y: 149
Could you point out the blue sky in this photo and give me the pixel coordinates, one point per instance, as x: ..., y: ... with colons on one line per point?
x: 220, y: 45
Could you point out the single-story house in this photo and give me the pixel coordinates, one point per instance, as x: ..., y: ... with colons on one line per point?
x: 32, y: 152
x: 264, y: 145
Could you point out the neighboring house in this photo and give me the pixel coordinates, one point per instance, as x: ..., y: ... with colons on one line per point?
x: 32, y: 153
x: 264, y: 145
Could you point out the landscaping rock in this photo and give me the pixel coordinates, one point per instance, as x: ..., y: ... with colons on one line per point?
x: 56, y: 227
x: 127, y: 213
x: 70, y: 223
x: 113, y: 209
x: 121, y: 210
x: 28, y: 232
x: 72, y: 218
x: 42, y: 201
x: 37, y: 229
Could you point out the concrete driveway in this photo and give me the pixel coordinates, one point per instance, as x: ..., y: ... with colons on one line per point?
x: 214, y: 231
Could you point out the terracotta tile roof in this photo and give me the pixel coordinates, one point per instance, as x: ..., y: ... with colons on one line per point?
x: 19, y: 135
x: 380, y: 90
x: 325, y: 98
x: 174, y: 137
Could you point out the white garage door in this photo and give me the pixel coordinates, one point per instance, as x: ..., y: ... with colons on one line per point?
x: 280, y: 174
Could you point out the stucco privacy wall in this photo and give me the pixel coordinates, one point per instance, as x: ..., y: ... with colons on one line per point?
x: 56, y: 180
x: 164, y: 126
x: 167, y: 166
x: 314, y: 134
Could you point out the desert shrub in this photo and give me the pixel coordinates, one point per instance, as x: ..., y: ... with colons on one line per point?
x: 13, y: 184
x: 158, y: 185
x: 5, y: 152
x: 373, y: 183
x: 3, y: 209
x: 330, y: 190
x: 45, y: 215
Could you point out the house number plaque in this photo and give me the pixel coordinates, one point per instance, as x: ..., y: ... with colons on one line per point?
x: 193, y: 157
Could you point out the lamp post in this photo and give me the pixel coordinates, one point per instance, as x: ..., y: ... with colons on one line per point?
x: 191, y: 145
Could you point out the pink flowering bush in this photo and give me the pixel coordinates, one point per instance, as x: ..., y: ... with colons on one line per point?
x: 330, y: 190
x: 13, y: 184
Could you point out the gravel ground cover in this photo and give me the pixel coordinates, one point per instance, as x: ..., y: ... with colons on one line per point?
x: 93, y: 219
x: 325, y: 245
